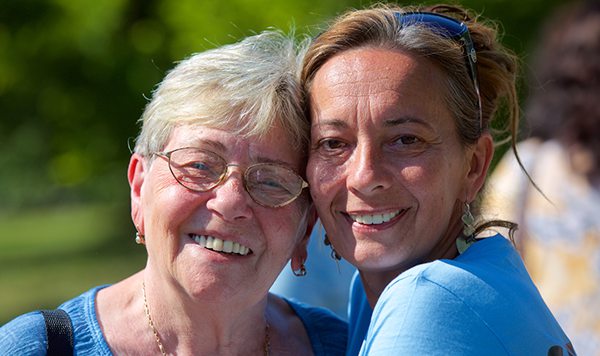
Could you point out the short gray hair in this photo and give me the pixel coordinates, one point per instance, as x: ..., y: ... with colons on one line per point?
x: 247, y: 87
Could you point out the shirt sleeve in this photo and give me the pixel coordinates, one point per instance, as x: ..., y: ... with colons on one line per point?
x: 24, y: 335
x: 416, y: 316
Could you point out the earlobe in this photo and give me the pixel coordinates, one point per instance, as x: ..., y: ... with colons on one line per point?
x: 135, y: 176
x: 300, y: 253
x: 479, y: 163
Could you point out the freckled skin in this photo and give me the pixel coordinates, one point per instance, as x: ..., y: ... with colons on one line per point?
x: 383, y: 140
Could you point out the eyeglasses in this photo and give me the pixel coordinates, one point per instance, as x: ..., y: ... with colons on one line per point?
x: 268, y: 184
x: 453, y: 29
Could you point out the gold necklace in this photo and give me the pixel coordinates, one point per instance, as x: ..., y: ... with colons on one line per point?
x: 147, y: 310
x: 161, y: 348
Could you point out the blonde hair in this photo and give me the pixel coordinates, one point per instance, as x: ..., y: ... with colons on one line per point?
x: 247, y: 87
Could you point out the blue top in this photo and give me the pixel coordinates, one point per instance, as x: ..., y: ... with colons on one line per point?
x: 26, y: 334
x: 480, y: 303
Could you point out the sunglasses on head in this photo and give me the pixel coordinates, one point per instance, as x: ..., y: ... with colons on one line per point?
x: 454, y: 30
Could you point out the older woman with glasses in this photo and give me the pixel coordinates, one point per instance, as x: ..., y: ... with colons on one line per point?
x: 219, y: 202
x: 400, y: 102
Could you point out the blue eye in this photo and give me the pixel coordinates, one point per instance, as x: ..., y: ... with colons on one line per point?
x: 203, y: 169
x: 271, y: 184
x: 200, y: 166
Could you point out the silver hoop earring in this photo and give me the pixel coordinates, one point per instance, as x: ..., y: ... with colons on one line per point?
x: 334, y: 255
x: 301, y: 272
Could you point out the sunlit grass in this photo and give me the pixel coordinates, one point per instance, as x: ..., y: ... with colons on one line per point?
x: 49, y: 256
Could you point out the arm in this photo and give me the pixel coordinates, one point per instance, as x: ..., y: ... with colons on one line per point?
x: 24, y: 335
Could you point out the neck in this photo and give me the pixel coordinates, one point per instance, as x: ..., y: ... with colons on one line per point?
x: 186, y: 326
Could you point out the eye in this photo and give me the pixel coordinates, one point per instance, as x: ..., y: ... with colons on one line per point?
x: 331, y: 144
x: 407, y: 140
x: 201, y: 166
x: 202, y: 169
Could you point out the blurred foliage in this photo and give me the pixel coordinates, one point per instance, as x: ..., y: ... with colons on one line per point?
x: 74, y: 75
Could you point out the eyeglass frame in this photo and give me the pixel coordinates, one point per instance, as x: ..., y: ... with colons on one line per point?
x: 225, y: 174
x: 455, y: 30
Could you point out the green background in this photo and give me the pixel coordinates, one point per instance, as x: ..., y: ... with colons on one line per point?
x: 74, y: 78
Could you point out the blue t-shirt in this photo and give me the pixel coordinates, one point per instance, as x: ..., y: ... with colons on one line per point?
x: 481, y: 303
x: 26, y: 334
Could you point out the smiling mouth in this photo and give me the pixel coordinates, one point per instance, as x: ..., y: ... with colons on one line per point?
x: 218, y: 245
x: 375, y: 219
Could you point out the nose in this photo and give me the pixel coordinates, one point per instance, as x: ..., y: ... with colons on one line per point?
x: 230, y: 199
x: 366, y: 172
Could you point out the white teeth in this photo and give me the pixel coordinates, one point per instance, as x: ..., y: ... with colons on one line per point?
x: 200, y: 240
x: 227, y: 246
x: 216, y: 244
x: 374, y: 219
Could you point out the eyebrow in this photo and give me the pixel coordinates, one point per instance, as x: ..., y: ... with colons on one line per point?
x: 263, y: 159
x: 214, y: 145
x: 220, y: 147
x: 407, y: 120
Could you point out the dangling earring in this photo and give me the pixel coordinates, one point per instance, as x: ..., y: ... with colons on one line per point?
x: 336, y: 256
x: 463, y: 242
x: 301, y: 272
x: 468, y: 221
x: 139, y: 238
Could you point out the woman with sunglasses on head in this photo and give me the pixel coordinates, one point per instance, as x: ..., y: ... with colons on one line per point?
x: 400, y: 102
x: 218, y: 200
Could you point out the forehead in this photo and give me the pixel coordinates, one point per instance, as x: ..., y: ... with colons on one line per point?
x: 377, y: 69
x: 372, y: 80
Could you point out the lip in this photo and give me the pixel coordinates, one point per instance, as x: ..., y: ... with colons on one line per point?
x: 374, y: 227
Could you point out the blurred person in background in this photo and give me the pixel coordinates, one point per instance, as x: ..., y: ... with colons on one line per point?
x: 219, y: 202
x: 559, y: 234
x: 400, y: 102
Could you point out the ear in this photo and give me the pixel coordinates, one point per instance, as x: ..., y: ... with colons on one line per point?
x: 300, y: 254
x: 135, y: 176
x: 478, y: 160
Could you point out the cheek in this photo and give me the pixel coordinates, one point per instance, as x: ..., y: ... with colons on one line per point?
x: 284, y: 227
x: 167, y: 203
x: 435, y: 187
x: 324, y: 179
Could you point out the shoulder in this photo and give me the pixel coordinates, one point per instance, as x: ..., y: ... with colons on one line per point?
x: 327, y: 332
x: 427, y: 310
x: 486, y: 274
x: 87, y: 334
x: 482, y: 300
x: 24, y: 335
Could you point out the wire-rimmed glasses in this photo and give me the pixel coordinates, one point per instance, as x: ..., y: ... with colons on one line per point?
x: 268, y: 184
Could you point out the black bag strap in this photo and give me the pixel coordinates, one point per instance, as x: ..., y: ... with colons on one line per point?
x: 59, y: 332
